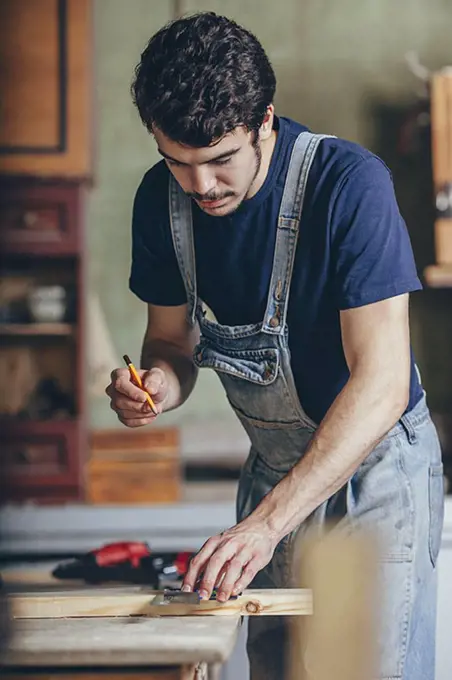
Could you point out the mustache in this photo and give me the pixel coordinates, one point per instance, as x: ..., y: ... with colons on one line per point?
x: 209, y: 197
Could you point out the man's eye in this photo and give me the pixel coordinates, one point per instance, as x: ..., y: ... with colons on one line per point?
x: 170, y: 162
x: 224, y: 161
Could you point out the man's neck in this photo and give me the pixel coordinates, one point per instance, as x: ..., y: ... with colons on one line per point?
x: 267, y: 148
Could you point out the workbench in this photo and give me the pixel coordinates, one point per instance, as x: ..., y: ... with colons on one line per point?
x: 34, y: 531
x: 182, y: 648
x: 102, y: 646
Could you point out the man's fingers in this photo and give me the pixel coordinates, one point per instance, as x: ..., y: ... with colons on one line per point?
x: 198, y: 562
x: 214, y: 568
x: 122, y: 382
x: 133, y: 415
x: 221, y: 575
x: 136, y: 422
x: 235, y: 573
x: 127, y: 406
x: 248, y: 574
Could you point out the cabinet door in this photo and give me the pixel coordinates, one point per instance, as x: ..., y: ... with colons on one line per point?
x: 45, y: 61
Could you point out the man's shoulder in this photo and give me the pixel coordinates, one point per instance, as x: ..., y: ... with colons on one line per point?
x: 341, y: 157
x: 346, y: 168
x: 336, y: 156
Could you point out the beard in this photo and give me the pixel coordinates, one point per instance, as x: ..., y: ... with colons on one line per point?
x: 258, y: 153
x: 258, y: 158
x: 231, y: 194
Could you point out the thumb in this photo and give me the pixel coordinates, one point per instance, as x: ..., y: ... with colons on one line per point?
x: 154, y: 382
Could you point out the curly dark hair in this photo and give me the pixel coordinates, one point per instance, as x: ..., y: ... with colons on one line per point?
x: 202, y: 76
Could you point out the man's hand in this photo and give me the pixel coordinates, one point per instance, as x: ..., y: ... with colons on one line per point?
x: 231, y: 560
x: 129, y: 401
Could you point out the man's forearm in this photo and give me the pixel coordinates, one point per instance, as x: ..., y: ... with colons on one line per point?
x: 358, y: 419
x: 179, y: 369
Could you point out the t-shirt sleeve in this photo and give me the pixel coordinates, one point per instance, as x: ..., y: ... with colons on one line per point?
x: 154, y: 276
x: 372, y: 254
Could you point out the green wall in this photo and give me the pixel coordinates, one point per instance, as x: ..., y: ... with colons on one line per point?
x: 341, y: 70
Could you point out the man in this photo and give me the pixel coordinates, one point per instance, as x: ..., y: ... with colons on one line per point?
x: 296, y: 243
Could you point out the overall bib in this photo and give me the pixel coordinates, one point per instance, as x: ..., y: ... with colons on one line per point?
x: 398, y: 488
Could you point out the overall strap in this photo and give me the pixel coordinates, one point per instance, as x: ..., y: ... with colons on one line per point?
x: 289, y: 217
x: 182, y: 233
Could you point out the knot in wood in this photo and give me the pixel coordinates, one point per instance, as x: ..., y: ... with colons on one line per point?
x: 253, y: 607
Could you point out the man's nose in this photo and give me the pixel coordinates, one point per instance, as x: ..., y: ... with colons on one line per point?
x: 202, y: 180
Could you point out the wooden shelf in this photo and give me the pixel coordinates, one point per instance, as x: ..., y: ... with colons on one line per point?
x: 439, y: 276
x: 36, y: 329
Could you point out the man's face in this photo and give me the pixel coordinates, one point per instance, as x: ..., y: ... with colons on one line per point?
x: 218, y: 177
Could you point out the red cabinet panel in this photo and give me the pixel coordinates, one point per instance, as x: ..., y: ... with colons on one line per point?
x: 40, y: 218
x: 40, y: 458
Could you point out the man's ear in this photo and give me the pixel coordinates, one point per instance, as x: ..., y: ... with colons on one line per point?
x: 266, y: 128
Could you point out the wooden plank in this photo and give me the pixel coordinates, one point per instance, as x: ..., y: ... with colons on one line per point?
x: 338, y: 640
x: 81, y: 603
x: 443, y: 241
x: 181, y: 673
x: 441, y: 118
x: 36, y: 329
x: 441, y: 115
x: 32, y: 577
x: 118, y: 641
x: 439, y: 276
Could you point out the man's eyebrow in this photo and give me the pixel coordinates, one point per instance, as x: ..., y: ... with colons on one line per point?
x: 225, y: 154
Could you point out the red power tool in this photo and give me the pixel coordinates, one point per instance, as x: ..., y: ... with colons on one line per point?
x: 127, y: 562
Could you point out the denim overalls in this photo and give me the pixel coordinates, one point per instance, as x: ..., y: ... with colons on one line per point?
x: 397, y: 489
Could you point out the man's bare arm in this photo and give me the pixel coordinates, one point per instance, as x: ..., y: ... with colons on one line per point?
x: 168, y: 345
x: 376, y: 345
x: 377, y: 350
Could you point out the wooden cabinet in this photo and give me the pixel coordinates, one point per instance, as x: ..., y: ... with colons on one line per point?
x: 45, y: 67
x: 42, y: 403
x: 45, y: 167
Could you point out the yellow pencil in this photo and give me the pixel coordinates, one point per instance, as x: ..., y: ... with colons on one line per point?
x: 138, y: 382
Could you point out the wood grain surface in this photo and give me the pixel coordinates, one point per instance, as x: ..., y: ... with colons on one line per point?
x: 138, y: 602
x: 121, y: 642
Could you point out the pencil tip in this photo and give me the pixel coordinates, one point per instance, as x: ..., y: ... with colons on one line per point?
x: 126, y: 359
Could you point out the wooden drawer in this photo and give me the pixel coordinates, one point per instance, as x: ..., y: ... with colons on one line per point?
x: 125, y: 444
x: 134, y: 467
x: 38, y: 455
x: 39, y: 218
x: 134, y: 482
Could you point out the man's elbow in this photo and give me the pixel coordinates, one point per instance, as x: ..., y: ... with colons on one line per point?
x: 397, y: 399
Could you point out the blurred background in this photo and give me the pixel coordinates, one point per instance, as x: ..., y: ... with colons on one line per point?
x: 72, y: 153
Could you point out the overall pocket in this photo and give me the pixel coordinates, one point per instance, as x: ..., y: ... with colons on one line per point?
x: 436, y: 510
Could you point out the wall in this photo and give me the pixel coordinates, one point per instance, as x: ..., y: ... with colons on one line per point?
x: 124, y: 152
x: 340, y: 69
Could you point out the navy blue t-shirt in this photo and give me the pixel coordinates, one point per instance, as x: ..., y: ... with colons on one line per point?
x: 353, y: 249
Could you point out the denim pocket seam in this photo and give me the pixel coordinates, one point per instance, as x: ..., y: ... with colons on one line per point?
x: 435, y: 477
x: 406, y: 553
x: 295, y: 424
